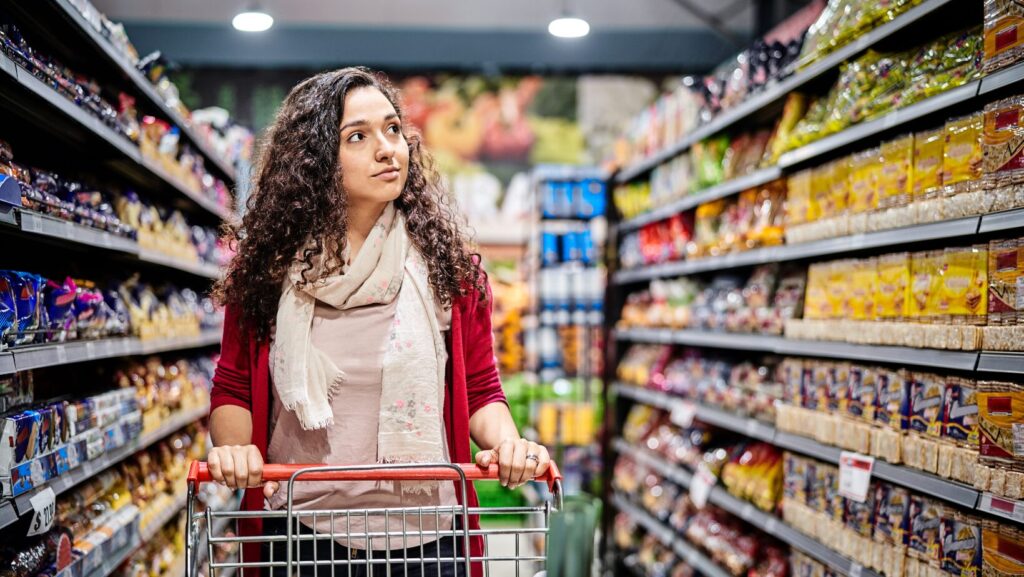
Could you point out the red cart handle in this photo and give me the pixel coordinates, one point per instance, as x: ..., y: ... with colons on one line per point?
x: 199, y: 472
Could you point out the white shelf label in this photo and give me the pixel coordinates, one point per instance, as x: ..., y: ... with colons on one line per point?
x: 700, y: 486
x: 855, y: 475
x: 44, y: 506
x: 751, y: 428
x: 683, y: 413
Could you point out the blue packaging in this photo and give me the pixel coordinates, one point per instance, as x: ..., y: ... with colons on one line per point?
x: 27, y: 306
x: 549, y: 200
x: 549, y: 249
x: 58, y: 303
x: 565, y: 199
x: 570, y: 247
x: 588, y: 252
x: 594, y: 199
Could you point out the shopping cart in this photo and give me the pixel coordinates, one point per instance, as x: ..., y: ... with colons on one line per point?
x: 298, y: 549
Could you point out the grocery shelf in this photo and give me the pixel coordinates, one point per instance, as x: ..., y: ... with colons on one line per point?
x: 12, y: 509
x: 115, y: 560
x: 98, y: 130
x: 997, y: 362
x: 668, y: 537
x: 765, y: 522
x: 723, y: 190
x: 960, y: 227
x: 220, y: 526
x: 781, y: 89
x: 944, y: 489
x: 74, y: 25
x: 998, y: 221
x: 43, y: 225
x: 1001, y: 507
x: 1002, y: 78
x: 935, y: 358
x: 202, y: 269
x: 891, y: 120
x: 36, y: 357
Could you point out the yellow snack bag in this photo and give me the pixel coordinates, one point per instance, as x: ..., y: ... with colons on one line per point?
x: 839, y: 188
x: 922, y: 271
x: 816, y: 299
x: 1003, y: 142
x: 962, y: 290
x: 1004, y: 33
x: 929, y: 148
x: 1001, y: 423
x: 892, y: 298
x: 864, y: 171
x: 819, y: 193
x: 962, y: 157
x: 798, y: 198
x: 839, y: 289
x: 895, y: 178
x: 863, y: 279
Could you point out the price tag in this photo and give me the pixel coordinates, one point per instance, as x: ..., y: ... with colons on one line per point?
x: 1002, y: 507
x: 747, y: 512
x: 751, y: 428
x: 683, y: 413
x: 771, y: 525
x: 700, y: 486
x: 44, y: 505
x: 855, y: 475
x: 856, y: 569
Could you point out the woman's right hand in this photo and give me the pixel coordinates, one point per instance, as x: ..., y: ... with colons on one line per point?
x: 239, y: 467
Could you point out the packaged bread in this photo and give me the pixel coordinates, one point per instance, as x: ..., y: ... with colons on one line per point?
x: 928, y: 158
x: 925, y: 518
x: 1001, y: 426
x: 927, y: 394
x: 960, y: 412
x: 1005, y: 277
x: 799, y: 197
x: 892, y: 504
x: 837, y: 177
x: 865, y: 168
x: 1002, y: 549
x: 923, y: 270
x: 896, y: 175
x: 893, y: 399
x: 863, y: 281
x: 962, y: 156
x: 862, y: 393
x: 795, y: 477
x: 1004, y: 33
x: 1003, y: 142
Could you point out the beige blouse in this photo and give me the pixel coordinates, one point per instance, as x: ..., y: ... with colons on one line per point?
x: 355, y: 340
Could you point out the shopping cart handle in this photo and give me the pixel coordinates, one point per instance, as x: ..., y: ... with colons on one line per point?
x: 199, y: 472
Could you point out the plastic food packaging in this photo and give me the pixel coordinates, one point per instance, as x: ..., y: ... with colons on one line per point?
x: 1004, y: 33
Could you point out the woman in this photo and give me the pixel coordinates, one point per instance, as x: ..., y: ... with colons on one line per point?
x: 357, y: 325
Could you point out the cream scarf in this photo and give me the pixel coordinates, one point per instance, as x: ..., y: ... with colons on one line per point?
x: 387, y: 266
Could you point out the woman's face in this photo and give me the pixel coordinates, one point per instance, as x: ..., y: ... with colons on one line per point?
x: 373, y: 154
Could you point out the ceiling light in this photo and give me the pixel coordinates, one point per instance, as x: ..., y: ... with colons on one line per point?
x: 252, y: 21
x: 569, y: 27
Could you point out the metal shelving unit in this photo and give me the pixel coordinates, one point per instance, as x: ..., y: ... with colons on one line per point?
x: 51, y: 355
x: 949, y: 491
x: 765, y: 522
x: 11, y: 510
x: 670, y: 539
x: 780, y: 90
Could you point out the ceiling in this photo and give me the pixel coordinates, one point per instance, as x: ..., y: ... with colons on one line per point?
x: 445, y: 14
x: 655, y: 36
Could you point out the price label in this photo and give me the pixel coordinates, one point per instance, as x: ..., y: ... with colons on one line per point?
x: 44, y: 506
x: 1002, y: 507
x: 683, y: 413
x: 751, y: 428
x: 700, y: 486
x: 856, y: 569
x: 855, y: 475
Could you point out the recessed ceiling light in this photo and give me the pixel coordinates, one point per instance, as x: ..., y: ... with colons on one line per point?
x: 569, y: 27
x: 252, y: 21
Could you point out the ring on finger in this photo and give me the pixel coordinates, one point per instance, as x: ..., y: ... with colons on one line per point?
x: 532, y: 457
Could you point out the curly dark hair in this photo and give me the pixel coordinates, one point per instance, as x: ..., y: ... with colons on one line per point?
x: 297, y: 195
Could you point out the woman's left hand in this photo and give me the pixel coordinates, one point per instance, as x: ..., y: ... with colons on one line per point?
x: 518, y: 461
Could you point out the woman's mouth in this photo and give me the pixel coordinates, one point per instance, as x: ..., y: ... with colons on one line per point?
x: 389, y: 175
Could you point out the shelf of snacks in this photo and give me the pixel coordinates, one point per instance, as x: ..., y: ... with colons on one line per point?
x: 746, y: 511
x: 777, y: 83
x: 207, y: 270
x: 80, y: 24
x: 77, y: 352
x: 97, y: 123
x: 667, y: 536
x: 934, y: 433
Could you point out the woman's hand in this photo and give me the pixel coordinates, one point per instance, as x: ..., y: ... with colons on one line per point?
x: 239, y: 467
x: 518, y: 461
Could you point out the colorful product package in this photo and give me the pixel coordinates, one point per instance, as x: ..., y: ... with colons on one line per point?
x: 816, y: 303
x: 865, y: 169
x: 924, y: 268
x: 962, y: 157
x: 891, y: 299
x: 800, y: 198
x: 927, y: 393
x: 893, y: 399
x: 860, y: 517
x: 862, y: 392
x: 960, y: 412
x: 19, y: 439
x: 1004, y: 33
x: 863, y: 287
x: 925, y: 519
x: 929, y: 148
x: 1003, y: 143
x: 891, y: 504
x: 1002, y: 549
x: 1005, y: 279
x: 961, y: 545
x: 962, y: 285
x: 1001, y: 424
x: 839, y: 185
x: 838, y: 386
x: 839, y: 288
x: 795, y: 477
x: 27, y: 305
x: 896, y: 176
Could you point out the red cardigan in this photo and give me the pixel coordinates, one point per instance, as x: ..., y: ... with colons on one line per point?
x: 242, y: 378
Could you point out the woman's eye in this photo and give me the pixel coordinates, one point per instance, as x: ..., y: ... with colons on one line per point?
x: 356, y: 137
x: 394, y: 129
